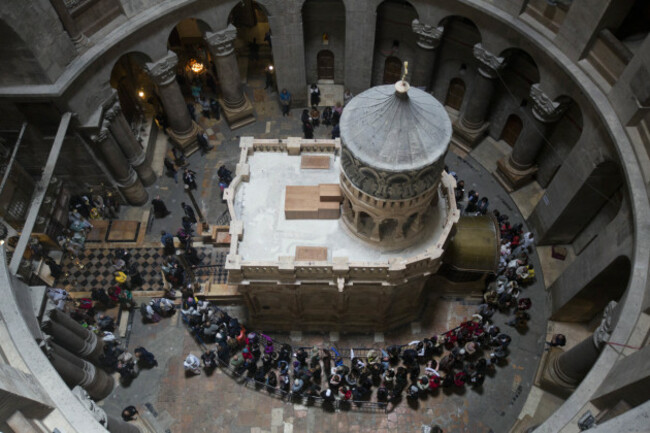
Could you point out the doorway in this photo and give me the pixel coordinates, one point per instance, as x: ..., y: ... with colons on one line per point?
x: 392, y: 70
x: 512, y: 129
x: 455, y: 94
x: 325, y: 63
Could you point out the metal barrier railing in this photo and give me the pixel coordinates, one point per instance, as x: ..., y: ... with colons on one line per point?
x: 307, y: 400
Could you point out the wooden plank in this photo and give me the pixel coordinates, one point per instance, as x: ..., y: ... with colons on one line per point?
x: 301, y: 202
x: 330, y: 192
x: 315, y: 162
x: 329, y: 210
x: 311, y: 254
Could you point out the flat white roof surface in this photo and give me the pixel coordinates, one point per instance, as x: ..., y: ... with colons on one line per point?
x: 259, y: 203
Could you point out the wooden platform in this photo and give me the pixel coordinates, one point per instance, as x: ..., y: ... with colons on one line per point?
x: 123, y: 231
x: 99, y: 231
x: 311, y: 254
x: 315, y: 162
x: 312, y: 202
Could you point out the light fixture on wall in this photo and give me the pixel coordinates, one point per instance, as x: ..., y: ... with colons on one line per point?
x: 195, y: 66
x: 141, y: 93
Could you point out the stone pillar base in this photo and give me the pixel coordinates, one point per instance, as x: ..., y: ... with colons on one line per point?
x: 146, y: 174
x: 467, y: 139
x: 511, y: 178
x: 186, y: 142
x: 238, y: 117
x: 135, y: 193
x: 548, y: 377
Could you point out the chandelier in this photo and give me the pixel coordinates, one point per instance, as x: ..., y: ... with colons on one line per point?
x: 195, y: 66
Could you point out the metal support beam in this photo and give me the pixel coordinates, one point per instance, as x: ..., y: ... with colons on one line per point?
x: 39, y: 193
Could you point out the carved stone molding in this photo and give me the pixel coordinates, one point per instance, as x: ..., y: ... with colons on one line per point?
x: 222, y: 43
x: 544, y: 109
x: 604, y: 330
x: 428, y: 36
x: 163, y: 71
x: 98, y: 413
x: 490, y: 63
x: 390, y: 185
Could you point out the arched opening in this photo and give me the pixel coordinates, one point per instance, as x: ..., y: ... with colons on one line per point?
x: 455, y: 94
x: 608, y: 285
x: 195, y: 72
x: 635, y: 26
x: 512, y: 94
x: 602, y: 183
x: 135, y: 90
x: 254, y: 44
x: 566, y: 133
x: 13, y: 47
x: 409, y: 223
x: 325, y: 62
x: 323, y: 28
x: 366, y: 224
x: 394, y: 40
x: 511, y: 129
x: 387, y: 229
x: 392, y: 70
x: 455, y: 54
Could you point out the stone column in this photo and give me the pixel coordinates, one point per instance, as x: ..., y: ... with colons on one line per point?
x: 429, y: 38
x: 124, y: 175
x: 75, y: 371
x: 360, y: 22
x: 237, y: 108
x: 518, y: 169
x: 86, y: 347
x: 563, y: 371
x: 130, y: 146
x: 471, y: 126
x: 182, y: 129
x: 78, y: 38
x: 92, y: 347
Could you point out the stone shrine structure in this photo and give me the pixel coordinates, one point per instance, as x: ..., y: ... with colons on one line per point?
x: 394, y: 141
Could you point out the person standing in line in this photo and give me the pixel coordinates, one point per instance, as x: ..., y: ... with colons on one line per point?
x: 192, y: 364
x: 216, y: 108
x: 205, y: 106
x: 171, y: 169
x: 285, y: 101
x: 159, y: 208
x: 189, y: 212
x: 189, y: 178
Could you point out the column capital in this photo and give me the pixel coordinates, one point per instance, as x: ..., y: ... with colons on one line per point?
x: 222, y: 43
x: 163, y: 71
x: 429, y: 37
x: 604, y: 330
x: 490, y: 63
x: 544, y: 109
x: 101, y: 136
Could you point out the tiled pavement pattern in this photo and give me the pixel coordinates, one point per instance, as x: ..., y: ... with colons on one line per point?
x: 92, y: 268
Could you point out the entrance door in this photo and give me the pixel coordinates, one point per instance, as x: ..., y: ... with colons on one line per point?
x: 455, y: 94
x: 325, y: 61
x: 392, y: 70
x: 512, y: 129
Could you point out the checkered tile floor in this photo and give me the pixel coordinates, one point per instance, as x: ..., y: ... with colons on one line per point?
x: 93, y: 268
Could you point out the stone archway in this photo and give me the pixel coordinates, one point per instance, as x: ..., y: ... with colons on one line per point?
x: 388, y: 229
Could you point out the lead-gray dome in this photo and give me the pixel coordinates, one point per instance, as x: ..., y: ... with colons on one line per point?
x: 395, y: 132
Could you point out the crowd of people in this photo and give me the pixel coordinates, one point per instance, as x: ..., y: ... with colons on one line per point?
x: 461, y: 357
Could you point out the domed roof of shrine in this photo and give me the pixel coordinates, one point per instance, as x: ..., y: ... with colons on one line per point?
x: 396, y: 128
